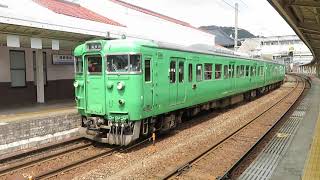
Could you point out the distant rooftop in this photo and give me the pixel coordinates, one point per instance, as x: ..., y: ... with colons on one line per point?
x: 75, y: 10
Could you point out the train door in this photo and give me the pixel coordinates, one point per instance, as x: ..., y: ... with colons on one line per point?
x: 173, y: 87
x: 181, y: 96
x: 95, y: 88
x: 148, y: 83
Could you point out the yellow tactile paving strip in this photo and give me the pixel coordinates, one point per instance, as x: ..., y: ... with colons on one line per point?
x: 36, y: 114
x: 312, y: 166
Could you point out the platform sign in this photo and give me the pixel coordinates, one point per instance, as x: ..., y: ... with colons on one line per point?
x: 59, y: 59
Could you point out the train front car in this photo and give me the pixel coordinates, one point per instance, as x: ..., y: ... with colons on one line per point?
x: 108, y: 90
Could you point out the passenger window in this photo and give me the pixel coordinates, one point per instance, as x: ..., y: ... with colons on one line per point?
x: 181, y: 71
x: 172, y: 72
x: 199, y: 72
x: 190, y: 72
x: 238, y: 72
x: 207, y: 71
x: 247, y: 70
x: 218, y: 69
x: 242, y: 70
x: 226, y: 72
x: 147, y: 71
x: 262, y: 71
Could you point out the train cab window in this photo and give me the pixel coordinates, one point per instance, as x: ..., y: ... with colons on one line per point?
x: 172, y: 71
x: 207, y: 71
x: 199, y: 72
x: 94, y: 64
x: 78, y: 65
x: 135, y: 63
x: 218, y: 71
x: 147, y: 71
x: 190, y: 72
x: 181, y: 71
x: 226, y: 71
x: 247, y: 71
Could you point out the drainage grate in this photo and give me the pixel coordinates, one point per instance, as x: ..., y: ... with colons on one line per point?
x: 268, y: 159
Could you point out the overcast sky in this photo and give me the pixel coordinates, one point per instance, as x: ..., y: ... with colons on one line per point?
x: 257, y: 16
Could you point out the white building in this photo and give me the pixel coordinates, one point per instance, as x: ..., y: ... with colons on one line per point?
x: 37, y: 36
x: 289, y: 49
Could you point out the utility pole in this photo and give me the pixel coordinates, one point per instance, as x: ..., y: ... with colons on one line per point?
x: 236, y: 28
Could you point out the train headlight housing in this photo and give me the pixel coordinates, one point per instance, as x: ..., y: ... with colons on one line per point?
x: 76, y: 84
x: 122, y: 101
x: 120, y: 85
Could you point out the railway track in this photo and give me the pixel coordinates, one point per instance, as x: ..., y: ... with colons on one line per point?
x: 219, y: 159
x: 53, y: 164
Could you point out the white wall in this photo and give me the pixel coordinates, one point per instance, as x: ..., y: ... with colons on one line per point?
x: 54, y: 72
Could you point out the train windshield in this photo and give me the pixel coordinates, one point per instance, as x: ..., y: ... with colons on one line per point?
x: 94, y: 64
x: 78, y: 65
x: 124, y: 63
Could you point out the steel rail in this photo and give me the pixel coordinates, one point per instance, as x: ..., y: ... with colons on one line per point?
x: 227, y: 173
x: 181, y: 168
x: 31, y: 163
x: 73, y: 165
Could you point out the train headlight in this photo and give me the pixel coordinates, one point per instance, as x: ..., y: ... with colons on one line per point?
x: 120, y: 85
x: 76, y: 84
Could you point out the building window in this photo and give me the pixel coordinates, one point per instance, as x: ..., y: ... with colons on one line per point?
x: 218, y: 69
x: 226, y: 72
x: 181, y: 71
x: 199, y: 72
x: 207, y: 71
x: 172, y: 71
x: 190, y: 72
x: 17, y: 68
x: 147, y: 71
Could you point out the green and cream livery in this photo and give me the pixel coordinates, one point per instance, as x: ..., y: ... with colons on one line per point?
x: 125, y: 89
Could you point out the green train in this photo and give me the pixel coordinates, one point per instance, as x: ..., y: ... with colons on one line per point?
x: 125, y: 89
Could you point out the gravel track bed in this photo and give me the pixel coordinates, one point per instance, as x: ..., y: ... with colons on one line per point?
x: 189, y: 139
x: 53, y: 163
x: 12, y: 162
x: 218, y: 161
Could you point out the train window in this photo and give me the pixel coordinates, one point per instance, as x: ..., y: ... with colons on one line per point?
x: 172, y: 71
x: 199, y: 72
x: 218, y: 71
x: 258, y: 71
x: 181, y: 71
x: 207, y: 71
x: 238, y: 71
x: 78, y: 65
x: 242, y: 70
x: 135, y: 63
x: 231, y: 71
x: 247, y: 70
x: 226, y: 71
x: 117, y: 63
x: 190, y: 72
x: 94, y: 64
x: 147, y: 71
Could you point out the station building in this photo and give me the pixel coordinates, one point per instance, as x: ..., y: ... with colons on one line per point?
x: 37, y: 38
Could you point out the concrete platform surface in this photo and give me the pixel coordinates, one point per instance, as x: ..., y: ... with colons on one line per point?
x: 291, y: 166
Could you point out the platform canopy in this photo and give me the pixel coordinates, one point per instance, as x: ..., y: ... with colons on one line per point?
x: 304, y: 18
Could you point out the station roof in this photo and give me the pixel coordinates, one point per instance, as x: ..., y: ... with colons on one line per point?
x: 304, y: 18
x: 75, y: 10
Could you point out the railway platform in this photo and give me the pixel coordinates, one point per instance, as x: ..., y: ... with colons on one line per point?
x: 294, y: 151
x: 34, y: 125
